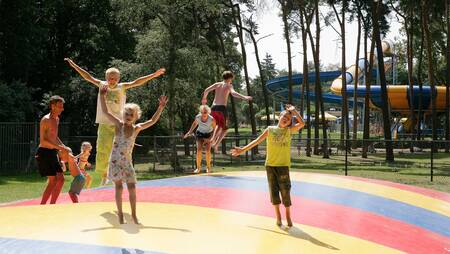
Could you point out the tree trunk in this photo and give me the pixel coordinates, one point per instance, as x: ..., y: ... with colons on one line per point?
x: 171, y: 106
x: 367, y: 80
x: 305, y: 80
x: 419, y: 79
x: 428, y: 45
x: 384, y: 98
x: 284, y: 10
x: 262, y: 78
x: 319, y: 85
x: 447, y: 85
x: 355, y: 92
x: 409, y: 45
x: 238, y: 25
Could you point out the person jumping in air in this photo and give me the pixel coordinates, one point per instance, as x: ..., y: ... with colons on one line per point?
x: 120, y: 162
x: 204, y: 134
x: 219, y: 108
x: 47, y: 153
x: 278, y: 158
x: 115, y: 100
x: 83, y: 162
x: 78, y: 178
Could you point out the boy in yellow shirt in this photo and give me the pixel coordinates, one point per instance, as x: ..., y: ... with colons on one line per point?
x: 278, y: 158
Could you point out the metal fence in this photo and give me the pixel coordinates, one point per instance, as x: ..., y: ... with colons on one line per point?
x: 423, y: 158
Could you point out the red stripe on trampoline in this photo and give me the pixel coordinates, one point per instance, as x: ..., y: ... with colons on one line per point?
x: 426, y: 192
x: 341, y: 219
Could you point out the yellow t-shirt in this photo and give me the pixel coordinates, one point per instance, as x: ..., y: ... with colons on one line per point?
x: 278, y: 147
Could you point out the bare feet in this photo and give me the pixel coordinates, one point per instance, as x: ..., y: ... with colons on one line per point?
x: 279, y: 224
x: 289, y: 223
x: 135, y: 219
x: 208, y: 170
x: 120, y: 215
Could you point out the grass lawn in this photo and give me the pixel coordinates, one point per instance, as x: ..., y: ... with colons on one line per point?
x: 412, y: 169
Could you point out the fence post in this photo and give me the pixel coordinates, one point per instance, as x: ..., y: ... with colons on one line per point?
x: 154, y: 154
x: 346, y: 153
x: 431, y: 158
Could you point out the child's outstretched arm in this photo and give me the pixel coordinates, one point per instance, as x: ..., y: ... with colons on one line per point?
x: 240, y: 96
x: 206, y: 92
x: 104, y: 108
x: 162, y: 103
x: 83, y: 73
x: 300, y: 123
x: 238, y: 150
x: 194, y: 124
x: 142, y: 80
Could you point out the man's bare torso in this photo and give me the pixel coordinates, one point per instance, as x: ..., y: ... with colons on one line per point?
x: 49, y: 127
x: 221, y: 93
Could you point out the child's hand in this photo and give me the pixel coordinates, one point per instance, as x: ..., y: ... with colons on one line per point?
x: 204, y: 101
x: 68, y: 60
x: 186, y: 135
x: 103, y: 90
x: 249, y: 98
x: 159, y: 72
x: 88, y: 165
x: 162, y: 101
x: 236, y: 151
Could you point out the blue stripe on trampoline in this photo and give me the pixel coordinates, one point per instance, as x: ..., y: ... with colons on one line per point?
x: 401, y: 211
x: 24, y: 246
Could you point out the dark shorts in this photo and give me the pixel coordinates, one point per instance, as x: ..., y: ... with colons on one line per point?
x: 48, y: 161
x: 279, y: 183
x: 77, y: 184
x: 220, y: 114
x: 201, y: 135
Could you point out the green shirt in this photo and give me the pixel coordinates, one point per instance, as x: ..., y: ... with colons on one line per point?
x: 278, y: 147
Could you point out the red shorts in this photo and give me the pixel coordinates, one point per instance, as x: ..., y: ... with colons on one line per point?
x: 219, y: 113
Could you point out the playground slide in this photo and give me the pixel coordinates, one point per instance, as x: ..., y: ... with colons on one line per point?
x: 398, y: 95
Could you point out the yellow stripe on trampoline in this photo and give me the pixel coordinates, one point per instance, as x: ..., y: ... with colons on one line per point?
x: 412, y: 198
x: 174, y: 229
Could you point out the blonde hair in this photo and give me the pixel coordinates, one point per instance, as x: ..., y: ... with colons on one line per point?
x: 203, y: 107
x: 85, y: 144
x: 112, y: 70
x: 135, y: 108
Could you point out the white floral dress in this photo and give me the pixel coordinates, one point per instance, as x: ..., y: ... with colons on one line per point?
x: 120, y: 162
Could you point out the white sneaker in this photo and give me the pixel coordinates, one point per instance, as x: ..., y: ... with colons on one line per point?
x: 196, y: 171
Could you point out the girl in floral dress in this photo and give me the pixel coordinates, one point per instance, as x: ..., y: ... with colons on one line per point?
x: 120, y: 163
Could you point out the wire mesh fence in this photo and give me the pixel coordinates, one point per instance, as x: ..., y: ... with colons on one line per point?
x: 413, y: 158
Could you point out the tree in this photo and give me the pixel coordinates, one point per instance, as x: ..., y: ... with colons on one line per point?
x: 286, y: 6
x: 384, y: 99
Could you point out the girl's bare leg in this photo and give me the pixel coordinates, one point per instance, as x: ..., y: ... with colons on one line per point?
x: 132, y: 196
x: 119, y: 190
x: 88, y: 181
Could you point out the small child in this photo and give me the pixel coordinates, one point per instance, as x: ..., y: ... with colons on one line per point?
x: 278, y: 158
x: 83, y: 162
x: 78, y: 178
x: 120, y: 162
x: 204, y: 134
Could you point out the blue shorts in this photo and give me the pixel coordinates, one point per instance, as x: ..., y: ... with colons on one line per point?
x: 77, y: 184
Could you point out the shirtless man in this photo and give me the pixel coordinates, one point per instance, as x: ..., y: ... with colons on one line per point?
x: 219, y: 107
x: 47, y: 153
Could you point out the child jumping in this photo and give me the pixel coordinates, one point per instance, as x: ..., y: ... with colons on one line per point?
x: 120, y: 162
x: 83, y: 162
x: 78, y: 178
x: 278, y: 158
x: 115, y: 99
x: 219, y: 107
x: 204, y: 134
